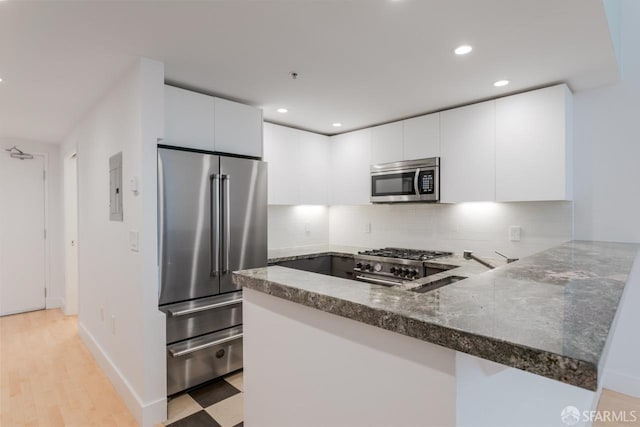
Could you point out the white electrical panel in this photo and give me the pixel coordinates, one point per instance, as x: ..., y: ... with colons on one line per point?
x: 115, y: 187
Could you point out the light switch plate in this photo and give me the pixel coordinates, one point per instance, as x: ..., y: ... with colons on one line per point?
x: 133, y: 240
x: 514, y: 233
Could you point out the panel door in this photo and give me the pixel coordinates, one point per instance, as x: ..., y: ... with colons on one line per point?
x: 467, y: 161
x: 238, y: 128
x: 422, y: 137
x: 386, y: 143
x: 22, y: 239
x: 189, y: 119
x: 189, y: 255
x: 244, y: 217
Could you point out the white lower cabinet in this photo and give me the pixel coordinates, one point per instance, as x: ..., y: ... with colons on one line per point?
x: 467, y: 161
x: 298, y: 164
x: 350, y: 168
x: 533, y: 145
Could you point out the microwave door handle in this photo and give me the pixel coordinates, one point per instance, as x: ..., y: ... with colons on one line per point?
x: 416, y: 182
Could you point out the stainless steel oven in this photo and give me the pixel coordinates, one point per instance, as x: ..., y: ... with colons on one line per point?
x: 406, y: 181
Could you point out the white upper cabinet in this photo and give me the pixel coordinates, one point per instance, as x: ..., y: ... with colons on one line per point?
x: 386, y: 143
x: 533, y: 145
x: 467, y: 160
x: 194, y: 120
x: 421, y: 137
x: 351, y: 168
x: 298, y: 164
x: 313, y: 174
x: 238, y: 128
x: 281, y: 152
x: 188, y: 119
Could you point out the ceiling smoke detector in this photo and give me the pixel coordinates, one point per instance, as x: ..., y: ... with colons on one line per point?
x: 293, y: 75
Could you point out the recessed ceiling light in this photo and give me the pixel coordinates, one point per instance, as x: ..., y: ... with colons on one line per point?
x: 0, y: 77
x: 282, y: 110
x: 336, y: 125
x: 500, y: 83
x: 463, y: 50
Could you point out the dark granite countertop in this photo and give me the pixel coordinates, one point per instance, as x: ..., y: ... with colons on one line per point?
x: 549, y: 313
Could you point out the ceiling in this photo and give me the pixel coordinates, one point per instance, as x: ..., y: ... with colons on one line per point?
x: 360, y: 62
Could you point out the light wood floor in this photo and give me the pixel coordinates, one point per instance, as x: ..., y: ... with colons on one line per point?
x: 48, y: 378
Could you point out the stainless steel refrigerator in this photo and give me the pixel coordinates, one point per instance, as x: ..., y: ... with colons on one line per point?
x: 212, y: 220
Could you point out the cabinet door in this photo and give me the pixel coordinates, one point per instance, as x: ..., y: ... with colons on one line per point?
x: 351, y: 168
x: 532, y: 139
x: 422, y: 137
x: 238, y: 128
x: 313, y: 167
x: 467, y: 163
x: 386, y: 143
x: 189, y: 119
x: 281, y: 154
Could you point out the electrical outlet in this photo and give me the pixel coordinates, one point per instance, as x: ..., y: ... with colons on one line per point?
x: 133, y: 240
x: 113, y: 324
x: 367, y: 227
x: 514, y: 233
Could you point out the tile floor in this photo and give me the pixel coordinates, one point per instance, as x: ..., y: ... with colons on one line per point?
x: 216, y: 404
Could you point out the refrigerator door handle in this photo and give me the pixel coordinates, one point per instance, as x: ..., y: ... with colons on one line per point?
x: 215, y: 224
x: 226, y: 182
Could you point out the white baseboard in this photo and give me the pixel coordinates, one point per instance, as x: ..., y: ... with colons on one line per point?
x: 146, y: 414
x: 54, y: 302
x: 622, y: 383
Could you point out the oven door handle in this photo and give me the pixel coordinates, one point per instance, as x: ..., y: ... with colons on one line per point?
x: 378, y: 281
x: 416, y: 181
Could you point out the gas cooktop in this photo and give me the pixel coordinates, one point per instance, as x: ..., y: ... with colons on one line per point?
x: 408, y: 254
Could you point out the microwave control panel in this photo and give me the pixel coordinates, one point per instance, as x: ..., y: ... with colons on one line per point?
x: 427, y: 182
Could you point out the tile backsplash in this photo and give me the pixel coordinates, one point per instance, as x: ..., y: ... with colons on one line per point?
x: 479, y: 226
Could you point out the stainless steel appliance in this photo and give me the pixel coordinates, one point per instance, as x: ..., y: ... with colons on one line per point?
x: 407, y: 181
x: 212, y: 220
x: 394, y: 266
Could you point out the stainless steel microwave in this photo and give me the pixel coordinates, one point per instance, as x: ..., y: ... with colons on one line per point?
x: 406, y: 181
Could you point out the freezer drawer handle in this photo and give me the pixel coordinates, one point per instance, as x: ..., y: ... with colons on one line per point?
x: 187, y: 311
x: 205, y: 345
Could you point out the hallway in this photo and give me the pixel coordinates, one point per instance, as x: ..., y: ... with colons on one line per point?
x: 49, y: 378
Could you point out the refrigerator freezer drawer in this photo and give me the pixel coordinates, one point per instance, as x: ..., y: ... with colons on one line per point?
x: 201, y: 359
x: 202, y: 316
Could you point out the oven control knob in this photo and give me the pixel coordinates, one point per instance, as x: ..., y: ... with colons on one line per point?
x: 359, y: 265
x: 405, y: 271
x: 377, y: 267
x: 414, y: 272
x: 392, y: 270
x: 367, y: 267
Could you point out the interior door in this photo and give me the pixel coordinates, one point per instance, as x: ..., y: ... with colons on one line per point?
x: 22, y: 238
x: 244, y: 191
x: 187, y: 217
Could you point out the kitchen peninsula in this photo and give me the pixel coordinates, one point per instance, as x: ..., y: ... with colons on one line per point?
x: 510, y: 346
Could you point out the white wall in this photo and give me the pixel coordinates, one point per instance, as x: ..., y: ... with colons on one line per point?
x: 478, y: 226
x: 118, y: 316
x: 298, y: 226
x: 55, y: 237
x: 607, y: 190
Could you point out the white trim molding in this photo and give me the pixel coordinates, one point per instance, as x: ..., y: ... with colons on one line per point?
x: 146, y: 414
x: 622, y: 383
